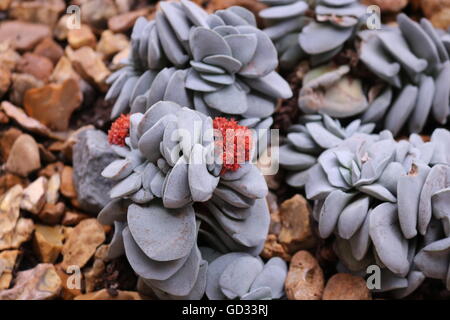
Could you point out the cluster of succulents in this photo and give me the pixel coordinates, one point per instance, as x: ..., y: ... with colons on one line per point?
x: 413, y: 60
x: 385, y: 201
x: 175, y: 157
x: 307, y: 139
x: 220, y: 64
x: 316, y: 29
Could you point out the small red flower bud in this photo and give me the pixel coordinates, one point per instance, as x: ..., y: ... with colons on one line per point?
x: 230, y: 141
x: 120, y: 129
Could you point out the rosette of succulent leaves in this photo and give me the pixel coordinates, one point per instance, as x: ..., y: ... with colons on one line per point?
x: 409, y: 86
x: 169, y: 163
x: 311, y: 29
x: 384, y: 201
x: 220, y: 64
x: 307, y: 139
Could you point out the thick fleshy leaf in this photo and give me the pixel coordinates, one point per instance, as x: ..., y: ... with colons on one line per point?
x: 196, y: 14
x: 272, y: 276
x: 229, y: 99
x: 441, y: 108
x: 115, y: 210
x: 236, y: 279
x: 176, y: 193
x: 284, y: 12
x: 317, y: 37
x: 243, y: 46
x: 390, y: 245
x: 293, y: 160
x: 205, y: 42
x: 252, y: 185
x: 201, y: 182
x: 423, y: 105
x: 331, y: 210
x: 154, y: 228
x: 352, y: 217
x: 127, y: 186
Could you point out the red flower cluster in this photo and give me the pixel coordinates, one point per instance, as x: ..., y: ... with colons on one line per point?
x: 119, y: 130
x: 229, y: 142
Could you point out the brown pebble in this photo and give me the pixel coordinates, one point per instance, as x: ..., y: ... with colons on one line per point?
x: 344, y: 286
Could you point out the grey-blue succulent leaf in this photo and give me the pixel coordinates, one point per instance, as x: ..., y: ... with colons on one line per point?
x: 271, y: 84
x: 441, y: 139
x: 209, y: 254
x: 423, y: 105
x: 115, y: 210
x: 195, y: 82
x: 153, y: 228
x: 215, y: 270
x: 201, y: 182
x: 427, y: 26
x: 391, y: 175
x: 117, y: 84
x: 146, y: 267
x: 243, y: 46
x: 286, y: 27
x: 184, y: 280
x: 177, y: 19
x: 421, y: 44
x: 318, y: 187
x: 378, y: 191
x: 391, y: 246
x: 378, y: 107
x: 127, y: 186
x: 323, y: 137
x: 176, y: 90
x: 415, y: 279
x: 251, y: 231
x: 344, y: 252
x: 391, y: 281
x: 297, y: 179
x: 262, y: 293
x: 303, y: 142
x: 156, y: 112
x: 441, y: 203
x: 176, y: 192
x: 123, y: 100
x: 431, y: 264
x: 409, y: 188
x: 237, y: 277
x: 118, y: 169
x: 441, y: 108
x: 158, y: 88
x: 251, y: 185
x: 149, y: 142
x: 273, y: 275
x: 352, y: 217
x: 360, y: 241
x: 401, y: 109
x: 332, y: 208
x: 232, y: 197
x: 259, y: 106
x: 116, y: 246
x: 291, y: 159
x: 173, y: 48
x: 141, y: 196
x: 330, y: 165
x: 229, y: 99
x: 196, y: 14
x: 227, y: 62
x: 284, y: 11
x: 436, y: 180
x: 318, y: 38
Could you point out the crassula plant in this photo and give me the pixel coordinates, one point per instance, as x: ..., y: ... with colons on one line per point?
x: 413, y: 60
x: 220, y: 64
x: 307, y: 139
x: 384, y: 201
x: 183, y: 179
x: 317, y: 29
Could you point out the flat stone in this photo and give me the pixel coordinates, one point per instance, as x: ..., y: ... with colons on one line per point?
x: 50, y: 49
x: 91, y: 154
x: 104, y: 295
x: 67, y: 186
x: 272, y: 248
x: 24, y: 156
x: 54, y: 104
x: 97, y: 12
x: 21, y: 83
x: 111, y: 43
x: 93, y: 276
x: 72, y: 218
x: 61, y: 30
x: 52, y: 213
x: 8, y: 56
x: 5, y: 80
x: 23, y: 35
x: 48, y: 242
x: 39, y: 11
x: 125, y: 21
x: 54, y: 183
x: 7, y: 262
x: 63, y: 71
x: 25, y: 121
x: 8, y: 180
x: 81, y: 37
x: 344, y: 286
x: 295, y: 218
x: 438, y: 11
x: 40, y: 283
x: 82, y: 243
x: 90, y: 66
x: 34, y: 196
x: 305, y: 279
x: 7, y: 139
x: 38, y: 66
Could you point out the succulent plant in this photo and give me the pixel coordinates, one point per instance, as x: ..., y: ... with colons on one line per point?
x: 413, y: 60
x: 175, y: 157
x: 240, y: 275
x: 298, y: 35
x: 218, y: 64
x: 375, y: 194
x: 308, y: 139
